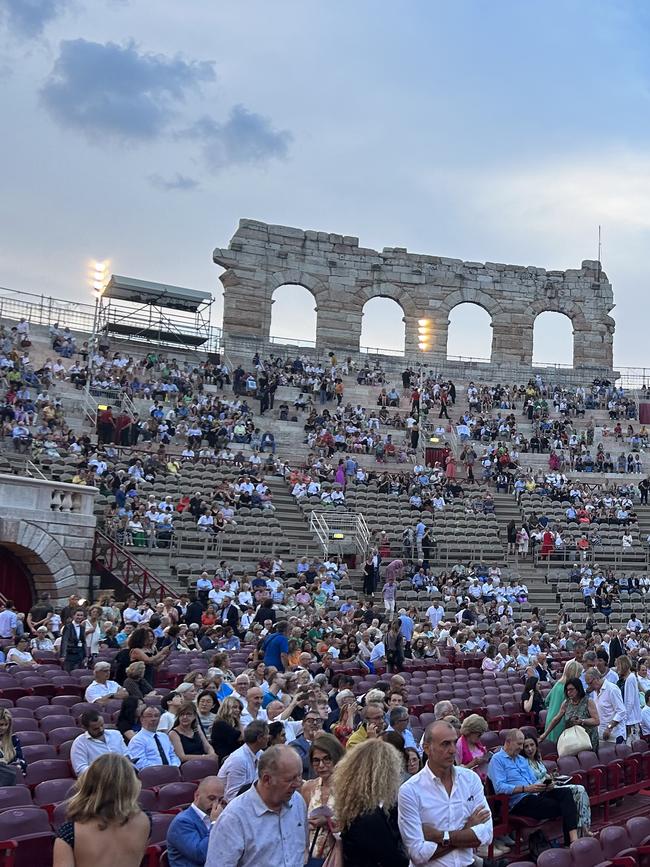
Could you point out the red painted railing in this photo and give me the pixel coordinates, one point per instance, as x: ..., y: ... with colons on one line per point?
x: 111, y: 560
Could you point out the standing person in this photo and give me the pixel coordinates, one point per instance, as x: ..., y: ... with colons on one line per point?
x: 394, y: 644
x: 390, y: 594
x: 267, y: 825
x: 576, y: 709
x: 73, y: 642
x: 324, y: 754
x: 189, y: 833
x: 629, y: 686
x: 443, y: 813
x: 368, y: 577
x: 366, y: 783
x: 556, y: 697
x: 609, y: 705
x: 276, y: 647
x: 105, y: 824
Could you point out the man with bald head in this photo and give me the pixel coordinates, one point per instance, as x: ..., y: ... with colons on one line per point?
x: 512, y: 775
x: 267, y: 825
x: 189, y: 833
x: 443, y: 813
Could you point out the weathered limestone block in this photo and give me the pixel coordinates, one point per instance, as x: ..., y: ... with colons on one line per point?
x: 343, y: 276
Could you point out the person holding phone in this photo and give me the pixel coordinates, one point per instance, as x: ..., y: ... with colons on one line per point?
x: 372, y: 725
x: 189, y: 832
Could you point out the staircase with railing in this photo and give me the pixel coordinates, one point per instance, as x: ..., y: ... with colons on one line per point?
x: 118, y: 568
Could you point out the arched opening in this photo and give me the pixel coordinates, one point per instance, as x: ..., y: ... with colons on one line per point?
x: 15, y: 580
x: 553, y: 339
x: 382, y: 326
x: 293, y: 315
x: 470, y: 332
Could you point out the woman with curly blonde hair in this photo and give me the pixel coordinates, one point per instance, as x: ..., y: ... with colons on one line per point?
x: 366, y: 782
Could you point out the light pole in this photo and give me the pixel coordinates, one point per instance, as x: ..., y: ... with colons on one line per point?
x: 98, y: 280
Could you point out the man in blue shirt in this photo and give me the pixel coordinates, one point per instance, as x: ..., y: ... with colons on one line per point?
x: 276, y: 647
x: 511, y: 774
x: 408, y: 628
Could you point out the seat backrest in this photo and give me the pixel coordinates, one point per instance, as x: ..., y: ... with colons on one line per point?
x: 638, y: 828
x: 586, y: 852
x: 160, y: 822
x: 613, y: 839
x: 17, y: 822
x: 14, y: 796
x: 52, y: 791
x: 175, y: 795
x: 554, y: 858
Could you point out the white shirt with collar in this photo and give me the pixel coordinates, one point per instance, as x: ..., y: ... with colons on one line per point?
x: 97, y: 690
x: 424, y: 799
x: 247, y: 717
x: 610, y: 706
x: 239, y: 769
x: 85, y: 749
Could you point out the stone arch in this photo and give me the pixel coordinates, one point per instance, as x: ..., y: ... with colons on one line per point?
x: 295, y: 277
x: 47, y: 562
x: 471, y: 296
x: 295, y: 301
x: 558, y: 305
x: 478, y: 351
x: 544, y: 356
x: 394, y: 341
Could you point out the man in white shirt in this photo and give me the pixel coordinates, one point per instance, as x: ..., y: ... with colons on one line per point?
x: 645, y: 715
x: 240, y: 767
x: 435, y: 613
x: 8, y: 622
x: 102, y: 689
x: 253, y: 709
x: 443, y: 811
x: 94, y: 742
x: 610, y: 706
x: 149, y: 748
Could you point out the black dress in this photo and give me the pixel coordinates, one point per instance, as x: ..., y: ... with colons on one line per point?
x: 191, y: 746
x: 373, y: 840
x: 225, y: 739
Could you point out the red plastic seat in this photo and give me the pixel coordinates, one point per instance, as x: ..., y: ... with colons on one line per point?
x: 49, y: 723
x: 160, y: 822
x: 638, y: 829
x: 28, y: 829
x: 615, y: 842
x: 174, y: 796
x: 39, y: 751
x: 64, y: 701
x: 48, y: 710
x: 196, y: 769
x: 25, y: 724
x: 159, y: 775
x: 30, y: 739
x: 555, y: 858
x: 22, y: 713
x: 52, y: 791
x: 64, y: 750
x: 148, y: 799
x: 15, y: 796
x: 47, y: 769
x: 587, y: 852
x: 59, y: 736
x: 26, y: 699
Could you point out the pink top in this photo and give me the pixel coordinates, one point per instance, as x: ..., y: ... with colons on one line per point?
x: 465, y: 753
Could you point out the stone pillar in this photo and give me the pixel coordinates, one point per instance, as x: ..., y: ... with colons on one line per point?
x: 338, y: 327
x: 439, y: 336
x: 411, y: 349
x: 593, y: 348
x: 246, y: 307
x: 511, y: 344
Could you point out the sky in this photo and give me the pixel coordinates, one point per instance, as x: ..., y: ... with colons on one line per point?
x: 141, y: 131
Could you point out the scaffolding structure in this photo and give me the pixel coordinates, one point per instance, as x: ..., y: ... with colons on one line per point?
x: 157, y: 313
x: 340, y: 533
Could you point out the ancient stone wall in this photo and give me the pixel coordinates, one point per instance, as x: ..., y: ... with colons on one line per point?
x: 50, y: 526
x: 342, y: 276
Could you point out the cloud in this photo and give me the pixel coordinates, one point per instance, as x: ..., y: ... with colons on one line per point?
x: 114, y: 91
x: 177, y: 182
x: 245, y: 138
x: 28, y: 18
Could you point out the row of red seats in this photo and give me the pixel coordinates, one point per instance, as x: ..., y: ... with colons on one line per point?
x: 620, y: 845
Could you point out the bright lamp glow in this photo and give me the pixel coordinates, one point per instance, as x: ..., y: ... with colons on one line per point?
x: 99, y: 277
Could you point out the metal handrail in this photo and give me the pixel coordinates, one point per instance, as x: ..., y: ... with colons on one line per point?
x: 140, y: 581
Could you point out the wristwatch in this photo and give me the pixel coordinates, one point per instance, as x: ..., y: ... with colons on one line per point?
x: 445, y: 838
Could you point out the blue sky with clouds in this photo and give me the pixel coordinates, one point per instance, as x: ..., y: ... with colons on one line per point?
x: 142, y: 130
